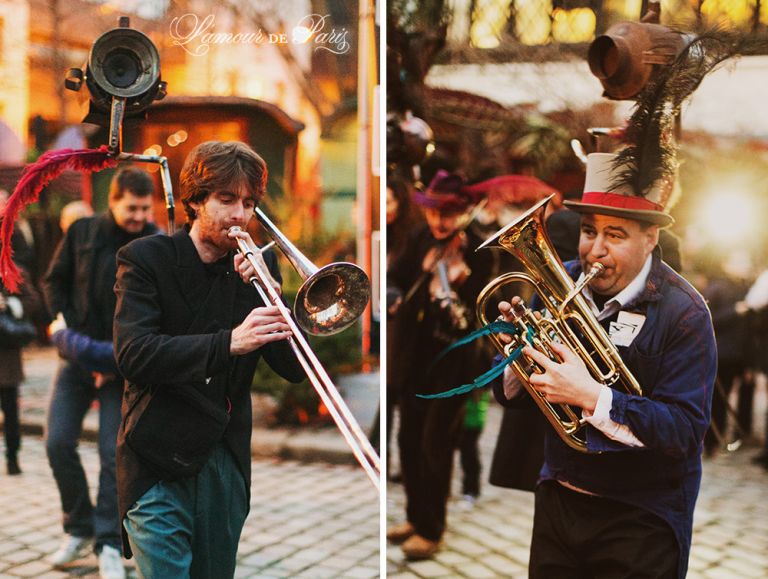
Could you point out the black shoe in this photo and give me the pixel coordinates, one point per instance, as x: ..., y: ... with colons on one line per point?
x: 13, y: 467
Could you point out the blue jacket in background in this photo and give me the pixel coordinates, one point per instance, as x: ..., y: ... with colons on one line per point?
x: 674, y: 358
x: 93, y: 355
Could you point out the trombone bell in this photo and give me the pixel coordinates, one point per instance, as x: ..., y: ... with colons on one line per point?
x: 332, y: 299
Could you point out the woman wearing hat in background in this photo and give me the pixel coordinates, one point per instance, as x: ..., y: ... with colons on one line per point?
x: 439, y: 277
x: 626, y: 511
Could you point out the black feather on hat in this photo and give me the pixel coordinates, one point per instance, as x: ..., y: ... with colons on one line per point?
x: 649, y: 162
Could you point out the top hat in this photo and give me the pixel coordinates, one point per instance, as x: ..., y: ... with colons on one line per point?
x: 601, y: 197
x: 446, y: 192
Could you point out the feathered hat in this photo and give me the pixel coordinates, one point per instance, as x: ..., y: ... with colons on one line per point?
x: 602, y: 196
x: 445, y: 192
x: 637, y: 183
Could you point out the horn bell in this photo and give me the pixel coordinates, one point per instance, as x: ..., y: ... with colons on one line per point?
x: 332, y: 299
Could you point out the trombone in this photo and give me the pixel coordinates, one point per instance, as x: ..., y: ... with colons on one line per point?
x: 330, y: 299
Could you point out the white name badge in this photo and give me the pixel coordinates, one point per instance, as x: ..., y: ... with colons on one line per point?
x: 624, y: 330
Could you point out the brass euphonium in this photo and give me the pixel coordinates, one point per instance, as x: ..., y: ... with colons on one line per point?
x: 569, y: 320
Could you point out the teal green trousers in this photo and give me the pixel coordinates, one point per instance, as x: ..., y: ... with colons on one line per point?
x: 190, y: 528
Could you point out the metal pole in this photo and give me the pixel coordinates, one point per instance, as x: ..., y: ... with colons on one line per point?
x: 364, y: 90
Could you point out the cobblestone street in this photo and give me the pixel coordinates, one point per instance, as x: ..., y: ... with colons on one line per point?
x: 491, y: 539
x: 306, y: 520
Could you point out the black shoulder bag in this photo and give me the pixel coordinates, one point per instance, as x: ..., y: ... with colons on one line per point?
x: 15, y: 332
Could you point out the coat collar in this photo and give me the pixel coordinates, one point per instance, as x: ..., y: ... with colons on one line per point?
x: 107, y: 230
x: 655, y: 283
x: 186, y: 252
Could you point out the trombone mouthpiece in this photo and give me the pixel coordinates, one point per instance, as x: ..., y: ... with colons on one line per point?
x: 235, y: 229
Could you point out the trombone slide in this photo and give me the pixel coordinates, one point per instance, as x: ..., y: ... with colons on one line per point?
x: 329, y: 394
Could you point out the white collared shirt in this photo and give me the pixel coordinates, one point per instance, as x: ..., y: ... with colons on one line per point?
x: 621, y: 299
x: 600, y: 419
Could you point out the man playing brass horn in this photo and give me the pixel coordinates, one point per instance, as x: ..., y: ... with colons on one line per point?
x: 625, y: 507
x: 188, y: 336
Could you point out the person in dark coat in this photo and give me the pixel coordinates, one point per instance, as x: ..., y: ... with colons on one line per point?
x: 755, y: 308
x: 722, y: 292
x: 403, y: 217
x: 79, y: 287
x: 430, y: 318
x: 27, y: 305
x: 185, y: 322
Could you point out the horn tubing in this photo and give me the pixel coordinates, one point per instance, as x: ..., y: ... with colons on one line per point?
x: 305, y: 267
x: 329, y: 394
x: 527, y: 239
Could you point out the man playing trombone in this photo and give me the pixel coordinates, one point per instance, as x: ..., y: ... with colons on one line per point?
x: 623, y: 505
x: 188, y: 336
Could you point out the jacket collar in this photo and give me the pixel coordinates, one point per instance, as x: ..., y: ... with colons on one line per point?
x: 654, y: 285
x: 186, y: 252
x: 108, y: 229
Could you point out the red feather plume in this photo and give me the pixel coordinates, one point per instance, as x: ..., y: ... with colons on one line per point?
x: 34, y: 177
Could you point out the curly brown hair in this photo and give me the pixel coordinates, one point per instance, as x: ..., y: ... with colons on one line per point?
x: 220, y: 166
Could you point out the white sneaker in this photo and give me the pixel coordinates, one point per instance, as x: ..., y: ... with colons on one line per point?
x: 111, y: 563
x: 467, y: 502
x: 72, y: 549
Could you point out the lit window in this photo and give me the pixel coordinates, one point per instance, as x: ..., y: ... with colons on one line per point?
x: 488, y: 21
x: 532, y: 21
x: 682, y: 12
x: 576, y: 25
x: 614, y: 11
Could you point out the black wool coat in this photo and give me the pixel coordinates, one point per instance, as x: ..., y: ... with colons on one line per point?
x: 173, y: 324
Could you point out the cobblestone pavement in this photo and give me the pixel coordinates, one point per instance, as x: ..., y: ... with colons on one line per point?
x: 306, y: 520
x: 491, y: 539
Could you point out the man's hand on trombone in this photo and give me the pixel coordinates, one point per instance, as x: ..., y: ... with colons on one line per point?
x: 260, y: 327
x: 245, y: 268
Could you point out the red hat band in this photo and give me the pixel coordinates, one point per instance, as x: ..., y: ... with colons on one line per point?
x: 620, y: 201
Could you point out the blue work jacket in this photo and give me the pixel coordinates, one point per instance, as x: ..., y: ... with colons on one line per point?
x: 674, y: 359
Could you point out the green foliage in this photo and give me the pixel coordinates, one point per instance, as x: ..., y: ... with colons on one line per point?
x: 409, y: 16
x: 33, y: 154
x: 544, y: 142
